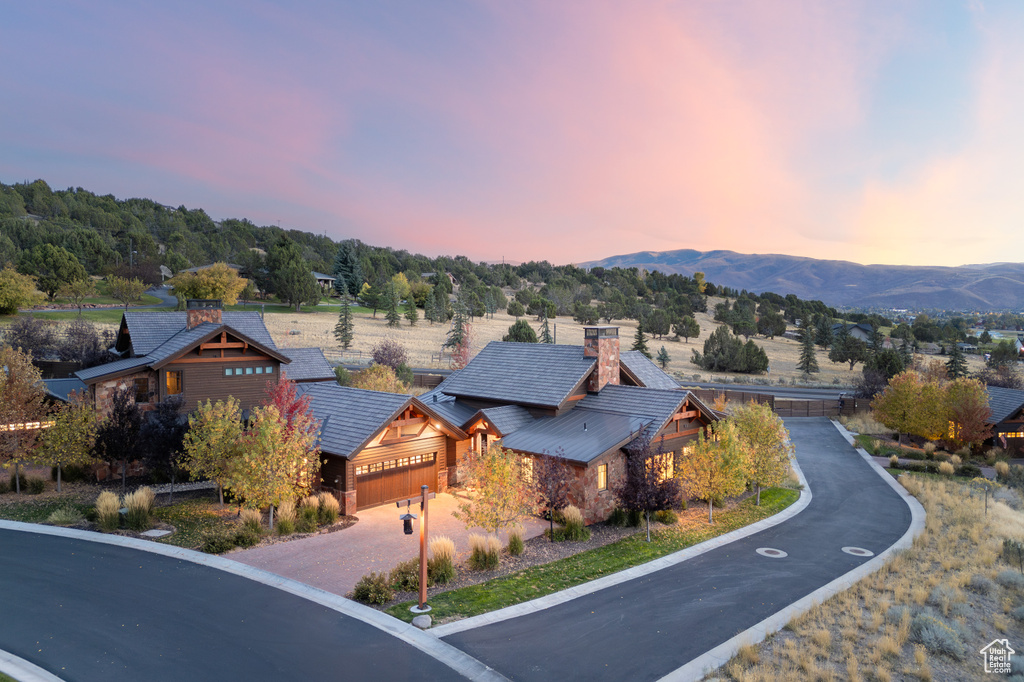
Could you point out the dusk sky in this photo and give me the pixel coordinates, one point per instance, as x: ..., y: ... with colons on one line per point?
x: 877, y: 132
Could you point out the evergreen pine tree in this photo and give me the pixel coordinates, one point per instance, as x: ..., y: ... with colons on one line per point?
x: 545, y: 331
x: 808, y: 363
x: 906, y: 352
x: 823, y: 331
x: 640, y: 340
x: 956, y: 365
x: 348, y: 274
x: 411, y: 313
x: 391, y: 305
x: 458, y: 329
x: 663, y: 357
x: 343, y: 330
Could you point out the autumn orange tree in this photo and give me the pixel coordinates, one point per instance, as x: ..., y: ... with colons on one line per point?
x: 764, y: 441
x: 213, y: 442
x: 714, y: 468
x: 21, y: 408
x: 71, y: 439
x: 503, y: 493
x: 968, y: 412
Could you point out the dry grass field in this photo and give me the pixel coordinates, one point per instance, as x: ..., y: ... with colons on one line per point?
x: 424, y: 341
x: 924, y: 616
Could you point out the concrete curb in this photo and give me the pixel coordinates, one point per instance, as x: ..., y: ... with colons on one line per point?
x: 682, y: 555
x: 23, y: 671
x: 462, y: 663
x: 720, y: 655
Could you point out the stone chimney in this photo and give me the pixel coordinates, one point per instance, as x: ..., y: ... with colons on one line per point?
x: 199, y: 310
x: 602, y: 342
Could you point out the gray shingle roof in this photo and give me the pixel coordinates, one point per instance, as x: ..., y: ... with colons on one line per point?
x: 522, y: 373
x: 646, y: 371
x: 148, y: 330
x: 653, y: 406
x: 447, y: 407
x: 182, y: 340
x: 61, y: 388
x: 565, y: 435
x: 508, y: 418
x: 307, y: 364
x: 1003, y: 402
x: 350, y: 416
x: 118, y: 366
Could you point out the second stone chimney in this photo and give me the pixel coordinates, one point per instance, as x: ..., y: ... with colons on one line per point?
x: 602, y: 342
x: 199, y: 310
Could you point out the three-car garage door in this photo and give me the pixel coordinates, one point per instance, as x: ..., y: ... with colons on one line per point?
x: 399, y: 473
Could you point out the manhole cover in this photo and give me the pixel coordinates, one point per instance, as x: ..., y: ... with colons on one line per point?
x: 771, y: 552
x: 858, y: 551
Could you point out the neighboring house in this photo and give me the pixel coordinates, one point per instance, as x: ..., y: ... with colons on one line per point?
x: 586, y: 404
x: 326, y: 282
x: 200, y: 354
x: 1007, y: 419
x: 861, y: 331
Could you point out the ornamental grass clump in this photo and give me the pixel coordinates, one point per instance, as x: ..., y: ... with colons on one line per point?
x: 1002, y: 469
x: 894, y: 462
x: 515, y: 541
x: 485, y: 552
x: 441, y: 564
x: 285, y: 517
x: 309, y: 515
x: 65, y: 516
x: 108, y: 511
x: 946, y: 469
x: 574, y: 529
x: 251, y: 519
x: 329, y: 509
x: 139, y: 505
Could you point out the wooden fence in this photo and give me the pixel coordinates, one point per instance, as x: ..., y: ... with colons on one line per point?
x: 787, y: 408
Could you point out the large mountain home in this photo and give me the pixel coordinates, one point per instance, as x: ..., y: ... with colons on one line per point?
x: 586, y: 404
x: 200, y: 354
x: 1007, y: 418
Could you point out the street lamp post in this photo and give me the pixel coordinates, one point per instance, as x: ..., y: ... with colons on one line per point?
x: 407, y: 520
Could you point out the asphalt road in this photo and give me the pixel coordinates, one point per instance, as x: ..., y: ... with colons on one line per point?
x: 90, y: 611
x: 648, y: 627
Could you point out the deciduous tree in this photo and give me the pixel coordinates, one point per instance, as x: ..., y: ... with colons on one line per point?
x: 126, y: 291
x: 649, y: 485
x: 77, y: 291
x: 54, y: 266
x: 552, y: 483
x: 714, y: 469
x: 16, y: 290
x: 213, y: 442
x: 765, y: 444
x: 71, y: 439
x: 504, y: 494
x: 217, y: 281
x: 21, y: 408
x: 968, y: 411
x: 118, y: 434
x: 378, y: 378
x: 163, y: 436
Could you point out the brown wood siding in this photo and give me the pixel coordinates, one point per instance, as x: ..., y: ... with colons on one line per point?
x: 333, y: 471
x: 398, y: 484
x: 206, y: 381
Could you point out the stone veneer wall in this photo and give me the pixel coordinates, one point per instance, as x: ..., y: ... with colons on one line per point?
x: 104, y: 391
x: 606, y: 350
x: 196, y: 316
x: 595, y: 504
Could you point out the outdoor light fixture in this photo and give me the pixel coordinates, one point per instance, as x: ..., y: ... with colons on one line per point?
x: 407, y: 518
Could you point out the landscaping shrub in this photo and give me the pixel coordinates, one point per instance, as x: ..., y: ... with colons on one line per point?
x: 251, y: 520
x: 1002, y: 469
x: 874, y: 447
x: 666, y: 516
x: 65, y: 516
x: 963, y: 453
x: 941, y: 457
x: 574, y: 528
x: 36, y: 486
x: 1015, y: 477
x: 968, y: 470
x: 405, y: 577
x: 71, y: 474
x: 309, y: 515
x: 980, y: 584
x: 946, y: 469
x: 217, y: 542
x: 441, y: 564
x: 284, y: 519
x: 329, y: 509
x: 4, y: 488
x: 247, y: 536
x: 912, y: 454
x: 955, y: 460
x: 14, y: 481
x: 485, y: 552
x: 139, y: 505
x: 937, y: 636
x: 1010, y: 579
x: 108, y: 511
x: 618, y: 517
x: 373, y: 588
x: 515, y: 542
x: 929, y: 448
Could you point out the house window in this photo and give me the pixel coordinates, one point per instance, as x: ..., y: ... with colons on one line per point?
x: 248, y: 370
x: 142, y: 390
x: 174, y: 383
x: 602, y: 477
x: 1014, y: 434
x: 259, y: 370
x: 227, y: 371
x: 268, y: 370
x: 398, y: 463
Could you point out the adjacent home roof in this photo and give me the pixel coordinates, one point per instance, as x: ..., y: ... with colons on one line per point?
x: 173, y: 347
x: 522, y: 373
x: 320, y: 275
x: 308, y: 364
x: 349, y: 417
x: 148, y: 330
x: 1003, y: 402
x: 648, y: 373
x: 61, y: 389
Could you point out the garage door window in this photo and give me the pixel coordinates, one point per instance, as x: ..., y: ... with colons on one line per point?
x: 397, y: 463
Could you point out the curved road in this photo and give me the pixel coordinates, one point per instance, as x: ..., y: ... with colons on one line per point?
x: 85, y: 610
x: 646, y: 628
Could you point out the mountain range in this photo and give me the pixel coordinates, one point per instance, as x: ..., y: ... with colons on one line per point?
x: 991, y: 286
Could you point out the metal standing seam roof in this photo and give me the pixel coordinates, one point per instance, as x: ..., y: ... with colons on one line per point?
x: 117, y: 366
x: 644, y: 369
x: 149, y: 330
x: 61, y: 388
x: 579, y: 436
x: 1003, y: 402
x: 522, y: 373
x: 349, y: 417
x: 507, y: 419
x: 453, y: 411
x: 655, y: 406
x: 307, y: 364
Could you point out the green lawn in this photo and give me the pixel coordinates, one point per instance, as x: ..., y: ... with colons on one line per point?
x: 538, y: 581
x: 31, y: 509
x: 192, y: 519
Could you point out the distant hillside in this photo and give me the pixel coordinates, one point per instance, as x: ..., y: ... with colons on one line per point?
x: 994, y: 286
